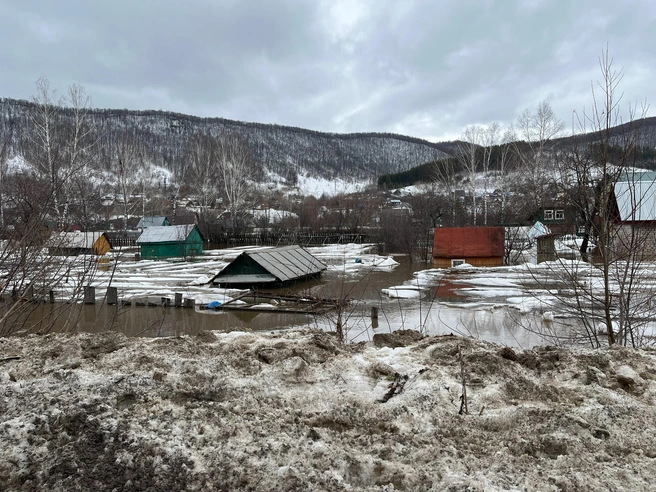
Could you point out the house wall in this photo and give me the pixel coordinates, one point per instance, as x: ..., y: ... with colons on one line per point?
x: 491, y: 261
x: 192, y: 246
x: 469, y: 242
x: 636, y: 239
x: 101, y: 246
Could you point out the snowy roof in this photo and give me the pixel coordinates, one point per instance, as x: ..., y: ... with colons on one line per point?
x: 287, y: 263
x: 156, y: 220
x: 166, y: 234
x: 636, y: 200
x: 74, y: 240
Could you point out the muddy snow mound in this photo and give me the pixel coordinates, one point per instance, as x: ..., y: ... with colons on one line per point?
x: 300, y: 411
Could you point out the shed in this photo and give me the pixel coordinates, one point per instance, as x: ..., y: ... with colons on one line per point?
x: 171, y: 241
x: 154, y: 221
x: 634, y: 211
x: 477, y: 246
x: 77, y: 242
x: 271, y: 267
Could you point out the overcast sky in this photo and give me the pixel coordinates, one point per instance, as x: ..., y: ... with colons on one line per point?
x: 421, y: 68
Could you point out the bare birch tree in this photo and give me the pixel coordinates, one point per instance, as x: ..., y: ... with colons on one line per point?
x: 468, y: 155
x: 236, y: 168
x: 534, y: 146
x: 445, y: 176
x: 201, y: 171
x: 130, y: 170
x: 490, y: 138
x: 61, y: 143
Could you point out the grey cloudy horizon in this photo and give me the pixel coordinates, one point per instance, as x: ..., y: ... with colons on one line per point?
x: 420, y: 68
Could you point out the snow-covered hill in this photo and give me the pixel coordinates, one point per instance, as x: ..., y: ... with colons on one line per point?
x: 163, y: 138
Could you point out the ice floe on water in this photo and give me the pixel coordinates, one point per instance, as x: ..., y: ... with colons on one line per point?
x: 404, y: 292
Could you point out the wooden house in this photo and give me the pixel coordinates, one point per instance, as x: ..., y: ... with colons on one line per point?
x: 558, y: 217
x: 634, y: 210
x: 77, y: 243
x: 182, y: 241
x: 269, y: 267
x: 477, y: 246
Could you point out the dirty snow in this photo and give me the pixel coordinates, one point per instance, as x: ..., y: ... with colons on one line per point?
x: 300, y: 411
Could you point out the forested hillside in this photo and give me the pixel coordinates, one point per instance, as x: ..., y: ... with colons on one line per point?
x: 163, y: 139
x: 642, y: 155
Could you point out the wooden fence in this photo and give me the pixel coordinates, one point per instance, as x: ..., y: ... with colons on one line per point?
x: 284, y: 239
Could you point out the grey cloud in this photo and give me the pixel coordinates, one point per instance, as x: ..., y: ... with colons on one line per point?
x: 422, y: 68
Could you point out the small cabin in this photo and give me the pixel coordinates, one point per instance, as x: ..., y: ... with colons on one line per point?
x: 181, y: 241
x: 476, y: 246
x: 79, y: 243
x: 269, y: 267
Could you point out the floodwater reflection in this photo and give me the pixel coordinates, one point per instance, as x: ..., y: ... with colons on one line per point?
x: 438, y: 310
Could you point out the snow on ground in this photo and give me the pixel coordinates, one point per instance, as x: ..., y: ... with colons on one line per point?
x: 311, y: 185
x: 273, y: 215
x: 164, y: 278
x: 300, y: 411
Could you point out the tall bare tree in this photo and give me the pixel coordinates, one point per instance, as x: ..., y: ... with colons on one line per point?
x: 61, y: 141
x: 130, y: 170
x: 490, y: 138
x: 534, y: 134
x: 469, y: 152
x: 236, y: 168
x: 613, y: 199
x: 201, y: 170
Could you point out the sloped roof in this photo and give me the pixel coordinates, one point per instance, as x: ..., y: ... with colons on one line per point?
x: 286, y: 263
x: 154, y: 221
x: 636, y: 200
x: 469, y: 242
x: 166, y: 234
x: 74, y: 240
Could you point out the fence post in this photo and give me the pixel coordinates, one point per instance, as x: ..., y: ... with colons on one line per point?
x: 89, y: 295
x: 112, y: 296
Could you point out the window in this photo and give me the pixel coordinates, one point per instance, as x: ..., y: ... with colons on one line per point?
x: 581, y: 230
x: 455, y: 263
x: 560, y: 215
x: 548, y: 215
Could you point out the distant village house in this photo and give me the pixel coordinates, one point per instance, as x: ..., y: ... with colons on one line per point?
x: 476, y: 246
x: 181, y: 241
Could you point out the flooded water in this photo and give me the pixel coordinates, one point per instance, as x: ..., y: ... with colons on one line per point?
x: 438, y: 310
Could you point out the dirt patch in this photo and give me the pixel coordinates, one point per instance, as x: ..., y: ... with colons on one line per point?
x: 300, y: 411
x: 399, y: 338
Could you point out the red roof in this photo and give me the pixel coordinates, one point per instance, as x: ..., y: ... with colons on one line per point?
x: 469, y: 242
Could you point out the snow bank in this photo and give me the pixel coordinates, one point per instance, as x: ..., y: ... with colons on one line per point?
x: 300, y: 411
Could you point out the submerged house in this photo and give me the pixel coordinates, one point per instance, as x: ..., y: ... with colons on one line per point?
x: 477, y: 246
x: 182, y: 241
x: 79, y: 243
x: 269, y: 267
